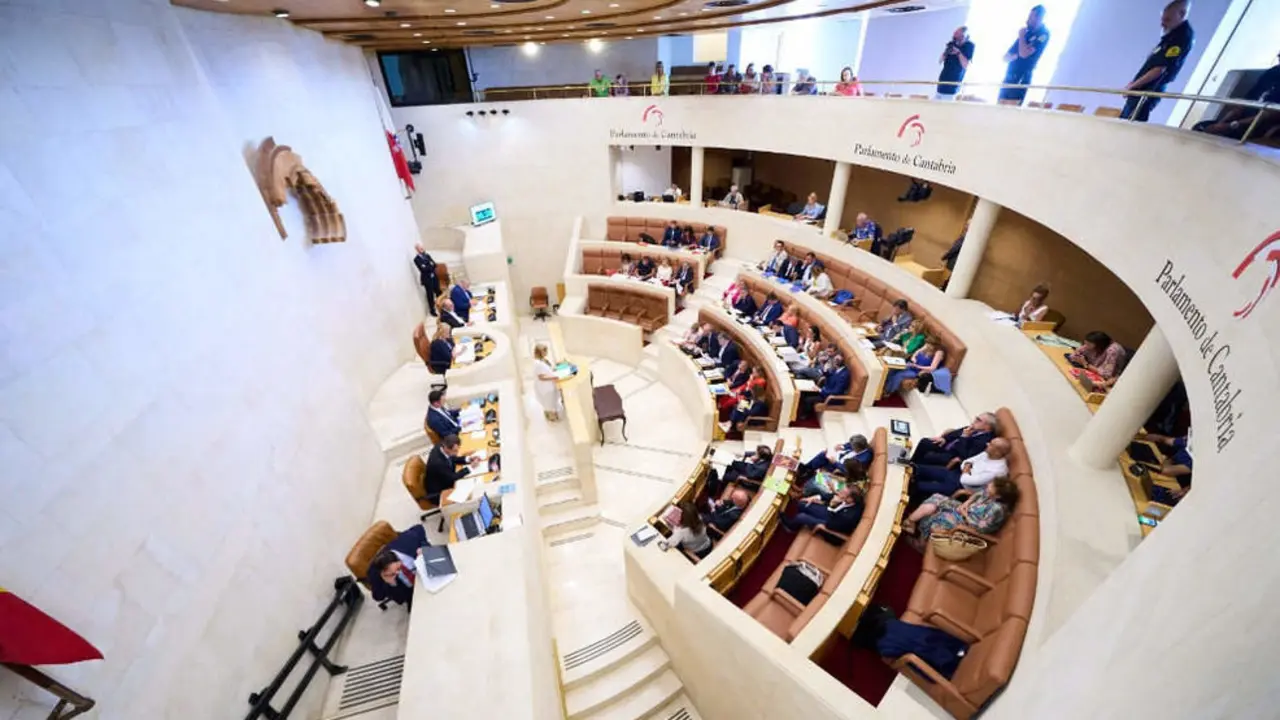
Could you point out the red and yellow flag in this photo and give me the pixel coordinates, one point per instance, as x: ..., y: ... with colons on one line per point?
x: 29, y: 637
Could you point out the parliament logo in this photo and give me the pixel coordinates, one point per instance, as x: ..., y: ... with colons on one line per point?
x: 652, y: 113
x: 912, y: 130
x: 1269, y: 252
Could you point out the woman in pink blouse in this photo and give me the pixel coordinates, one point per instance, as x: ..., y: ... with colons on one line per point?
x: 848, y: 85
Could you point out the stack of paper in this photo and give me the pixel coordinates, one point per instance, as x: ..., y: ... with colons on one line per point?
x: 893, y: 362
x: 722, y: 457
x: 436, y: 572
x: 806, y: 385
x: 867, y: 344
x: 462, y: 490
x: 777, y: 340
x: 719, y: 389
x: 705, y: 362
x: 713, y: 374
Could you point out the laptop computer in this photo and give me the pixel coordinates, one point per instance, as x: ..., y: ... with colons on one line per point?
x: 476, y: 524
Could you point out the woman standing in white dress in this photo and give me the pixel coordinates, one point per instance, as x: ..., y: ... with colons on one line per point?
x: 544, y: 384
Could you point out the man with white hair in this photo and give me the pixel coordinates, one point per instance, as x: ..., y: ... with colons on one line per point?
x: 427, y: 276
x: 950, y: 448
x: 733, y: 199
x: 972, y: 473
x: 1163, y: 63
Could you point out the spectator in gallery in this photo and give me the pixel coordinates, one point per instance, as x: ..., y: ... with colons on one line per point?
x: 1024, y: 54
x: 620, y: 87
x: 1234, y: 121
x: 955, y: 60
x: 848, y: 85
x: 750, y: 80
x: 659, y: 83
x: 768, y: 81
x: 599, y: 85
x: 711, y: 83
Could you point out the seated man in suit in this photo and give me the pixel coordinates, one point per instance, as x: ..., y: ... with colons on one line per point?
x: 836, y: 380
x: 856, y: 449
x: 684, y: 279
x: 645, y: 268
x: 711, y: 342
x: 728, y: 355
x: 709, y: 241
x: 949, y: 448
x: 803, y: 272
x: 461, y: 297
x: 770, y: 311
x: 787, y: 332
x: 777, y: 260
x: 672, y: 237
x: 974, y: 473
x: 867, y: 230
x: 842, y: 514
x: 899, y: 321
x: 724, y: 513
x: 747, y: 472
x: 443, y: 421
x: 445, y: 467
x: 390, y: 575
x: 449, y: 316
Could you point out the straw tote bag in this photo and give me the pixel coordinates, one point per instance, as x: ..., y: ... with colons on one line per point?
x: 957, y: 546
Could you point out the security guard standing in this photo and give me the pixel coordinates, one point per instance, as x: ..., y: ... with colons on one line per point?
x: 1163, y: 63
x: 1024, y: 54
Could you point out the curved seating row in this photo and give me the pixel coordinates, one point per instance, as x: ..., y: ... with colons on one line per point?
x: 618, y: 302
x: 873, y: 301
x: 629, y: 229
x: 985, y: 600
x: 851, y: 401
x: 607, y: 260
x: 830, y: 551
x: 749, y: 352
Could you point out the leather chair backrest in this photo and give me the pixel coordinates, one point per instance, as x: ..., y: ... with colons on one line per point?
x: 414, y: 479
x: 616, y: 229
x: 656, y: 227
x: 592, y: 261
x: 370, y: 542
x: 636, y: 226
x: 421, y: 344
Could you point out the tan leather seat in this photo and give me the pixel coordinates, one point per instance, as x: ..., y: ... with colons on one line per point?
x: 985, y: 600
x: 421, y: 344
x: 414, y: 479
x: 593, y: 261
x: 373, y: 540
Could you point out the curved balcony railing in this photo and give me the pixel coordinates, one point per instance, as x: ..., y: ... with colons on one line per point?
x: 1255, y: 130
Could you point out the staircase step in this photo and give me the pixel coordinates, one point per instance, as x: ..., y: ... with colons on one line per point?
x: 617, y: 683
x: 648, y: 368
x: 644, y: 700
x: 560, y: 483
x: 651, y: 349
x: 558, y: 521
x: 680, y: 708
x: 560, y: 499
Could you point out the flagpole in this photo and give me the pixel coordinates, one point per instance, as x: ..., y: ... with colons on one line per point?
x: 70, y: 702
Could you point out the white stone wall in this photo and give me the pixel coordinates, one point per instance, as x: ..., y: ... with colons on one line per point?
x: 184, y: 454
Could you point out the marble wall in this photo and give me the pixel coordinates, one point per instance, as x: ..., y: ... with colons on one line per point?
x: 184, y: 453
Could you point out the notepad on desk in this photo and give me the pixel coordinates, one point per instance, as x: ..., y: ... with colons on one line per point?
x: 806, y: 385
x: 435, y: 568
x: 705, y: 362
x: 777, y: 340
x: 462, y: 490
x: 721, y: 456
x: 893, y: 362
x: 719, y: 389
x: 712, y: 374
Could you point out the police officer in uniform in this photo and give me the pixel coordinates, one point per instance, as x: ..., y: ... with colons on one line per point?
x: 1024, y: 54
x: 1163, y: 63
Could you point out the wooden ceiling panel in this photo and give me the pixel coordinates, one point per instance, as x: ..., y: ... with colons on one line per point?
x: 412, y: 24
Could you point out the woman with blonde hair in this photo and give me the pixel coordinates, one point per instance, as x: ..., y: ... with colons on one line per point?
x: 440, y: 356
x: 544, y: 384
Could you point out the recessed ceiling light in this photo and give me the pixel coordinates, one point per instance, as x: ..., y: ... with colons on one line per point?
x: 405, y: 25
x: 461, y: 24
x: 495, y: 6
x: 550, y: 17
x: 628, y: 37
x: 613, y: 4
x: 417, y: 34
x: 639, y: 29
x: 280, y: 13
x: 683, y: 14
x: 426, y: 42
x: 508, y: 31
x: 565, y: 35
x: 526, y: 37
x: 541, y: 29
x: 373, y: 3
x: 586, y: 12
x: 450, y: 10
x: 657, y: 17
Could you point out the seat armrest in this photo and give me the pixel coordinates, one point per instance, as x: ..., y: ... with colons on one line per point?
x: 945, y: 622
x: 785, y: 598
x: 912, y: 662
x: 757, y: 421
x: 980, y: 585
x: 842, y: 538
x: 689, y: 554
x: 835, y: 401
x: 715, y: 531
x: 970, y: 530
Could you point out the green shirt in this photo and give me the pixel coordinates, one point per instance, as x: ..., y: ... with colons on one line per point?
x: 911, y: 343
x: 600, y: 87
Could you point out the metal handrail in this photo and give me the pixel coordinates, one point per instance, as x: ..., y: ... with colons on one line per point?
x: 641, y: 88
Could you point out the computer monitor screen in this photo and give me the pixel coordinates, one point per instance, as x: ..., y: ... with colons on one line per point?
x: 486, y: 511
x: 483, y: 213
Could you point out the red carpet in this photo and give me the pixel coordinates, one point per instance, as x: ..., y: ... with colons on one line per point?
x: 862, y: 671
x: 808, y: 422
x: 891, y: 401
x: 770, y: 558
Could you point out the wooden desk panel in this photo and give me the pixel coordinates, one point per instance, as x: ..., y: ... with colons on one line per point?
x: 1092, y: 400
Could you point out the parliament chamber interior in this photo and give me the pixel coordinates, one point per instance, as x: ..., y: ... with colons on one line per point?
x: 637, y: 360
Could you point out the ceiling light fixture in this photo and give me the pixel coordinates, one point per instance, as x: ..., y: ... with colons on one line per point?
x: 426, y: 42
x: 586, y: 12
x: 595, y: 45
x: 372, y: 3
x: 450, y: 10
x: 657, y: 17
x: 280, y: 13
x: 461, y: 24
x: 417, y: 34
x: 550, y: 17
x: 405, y: 25
x: 529, y: 49
x: 613, y: 4
x: 565, y: 35
x: 683, y: 14
x: 628, y: 37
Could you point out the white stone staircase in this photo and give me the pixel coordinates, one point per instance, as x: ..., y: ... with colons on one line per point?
x: 624, y: 676
x: 935, y: 413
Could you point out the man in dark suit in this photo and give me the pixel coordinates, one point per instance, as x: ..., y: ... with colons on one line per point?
x: 728, y: 356
x: 443, y: 421
x: 755, y: 407
x: 427, y: 276
x: 724, y: 513
x: 684, y: 278
x: 856, y: 449
x: 806, y: 270
x: 770, y: 311
x: 951, y: 447
x: 444, y: 466
x: 672, y: 237
x: 449, y: 316
x: 461, y: 297
x: 842, y: 515
x: 711, y: 342
x: 709, y: 241
x: 788, y: 333
x: 390, y: 575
